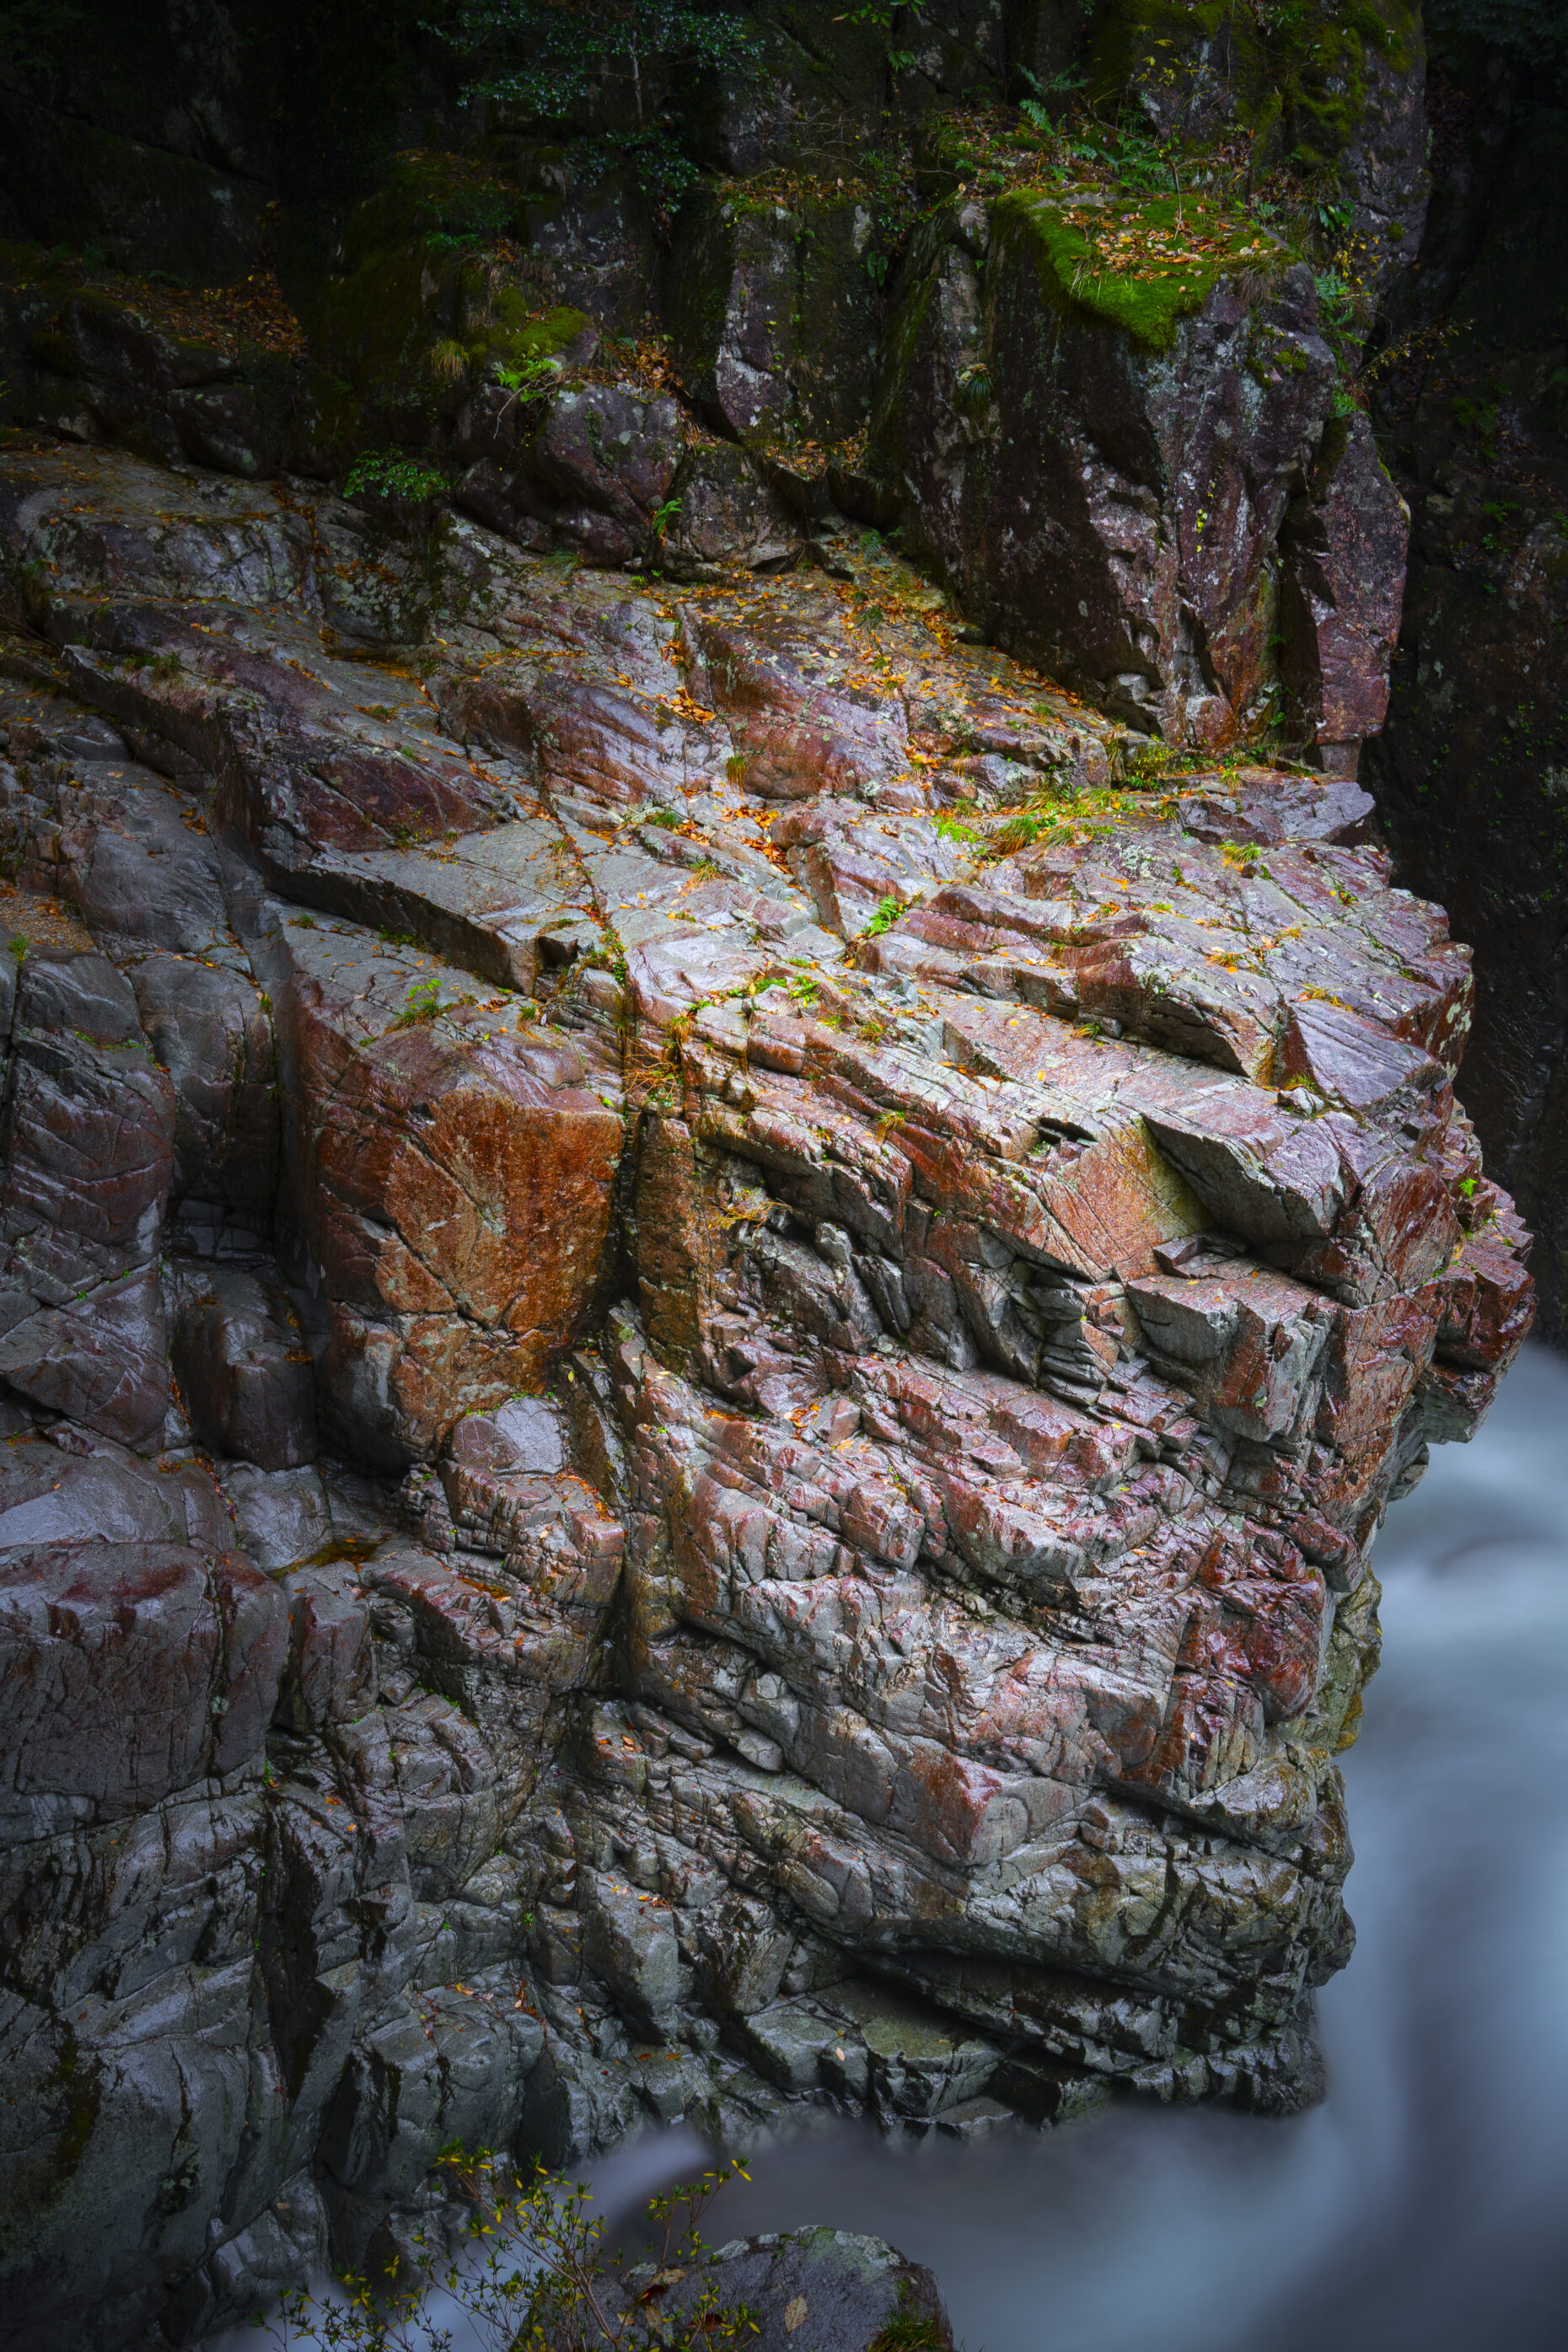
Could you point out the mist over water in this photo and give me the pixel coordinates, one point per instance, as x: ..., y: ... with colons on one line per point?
x: 1424, y: 2206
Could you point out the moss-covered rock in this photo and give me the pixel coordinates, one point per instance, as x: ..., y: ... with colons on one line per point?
x: 1099, y: 461
x: 434, y: 297
x: 1300, y: 79
x: 1141, y: 262
x: 1332, y: 88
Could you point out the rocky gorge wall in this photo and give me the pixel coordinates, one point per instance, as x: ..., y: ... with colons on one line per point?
x: 707, y: 1302
x: 1469, y: 775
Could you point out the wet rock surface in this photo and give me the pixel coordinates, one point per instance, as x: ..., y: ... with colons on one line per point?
x: 827, y: 2289
x: 703, y: 1347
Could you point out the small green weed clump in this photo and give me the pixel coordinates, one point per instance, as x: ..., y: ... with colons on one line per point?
x: 423, y: 1003
x: 377, y: 474
x: 952, y: 828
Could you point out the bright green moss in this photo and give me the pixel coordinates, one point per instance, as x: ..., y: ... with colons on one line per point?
x: 1143, y: 264
x: 514, y: 340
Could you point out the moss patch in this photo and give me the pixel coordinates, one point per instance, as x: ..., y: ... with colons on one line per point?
x: 521, y: 336
x: 1144, y: 263
x: 448, y: 198
x: 1297, y: 76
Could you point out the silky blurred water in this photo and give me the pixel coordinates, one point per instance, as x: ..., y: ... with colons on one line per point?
x: 1424, y: 2206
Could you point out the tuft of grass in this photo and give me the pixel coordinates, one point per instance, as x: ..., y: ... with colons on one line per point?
x: 449, y: 363
x: 888, y: 913
x: 909, y: 2329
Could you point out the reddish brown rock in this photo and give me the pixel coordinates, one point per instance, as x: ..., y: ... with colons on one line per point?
x: 1342, y: 592
x: 430, y: 1143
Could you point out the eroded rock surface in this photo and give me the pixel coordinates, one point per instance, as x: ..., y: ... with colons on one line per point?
x: 702, y: 1347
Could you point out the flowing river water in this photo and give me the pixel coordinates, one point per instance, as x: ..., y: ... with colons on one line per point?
x: 1424, y: 2206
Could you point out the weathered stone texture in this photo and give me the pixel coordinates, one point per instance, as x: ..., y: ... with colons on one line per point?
x: 700, y: 1348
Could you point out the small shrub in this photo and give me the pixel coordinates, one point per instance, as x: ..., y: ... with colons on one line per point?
x: 888, y: 913
x: 536, y: 2277
x: 530, y: 377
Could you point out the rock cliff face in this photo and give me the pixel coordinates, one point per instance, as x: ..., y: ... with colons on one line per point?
x: 708, y: 1300
x: 689, y: 1422
x: 1470, y: 775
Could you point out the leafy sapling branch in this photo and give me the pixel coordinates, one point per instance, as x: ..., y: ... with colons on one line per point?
x: 604, y: 69
x: 534, y: 2274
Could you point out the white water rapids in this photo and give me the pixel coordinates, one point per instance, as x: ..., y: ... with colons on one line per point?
x: 1424, y: 2206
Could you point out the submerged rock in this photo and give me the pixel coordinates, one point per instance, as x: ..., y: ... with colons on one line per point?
x: 825, y: 2289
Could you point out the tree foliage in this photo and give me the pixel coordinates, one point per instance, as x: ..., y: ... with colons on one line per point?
x: 29, y: 27
x: 605, y: 70
x: 552, y: 59
x: 534, y: 2276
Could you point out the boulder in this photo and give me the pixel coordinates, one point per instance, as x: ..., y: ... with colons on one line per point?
x: 825, y: 2289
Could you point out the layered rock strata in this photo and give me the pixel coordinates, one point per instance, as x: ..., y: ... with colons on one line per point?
x: 701, y: 1344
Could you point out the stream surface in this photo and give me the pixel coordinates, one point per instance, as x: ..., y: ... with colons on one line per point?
x: 1424, y: 2206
